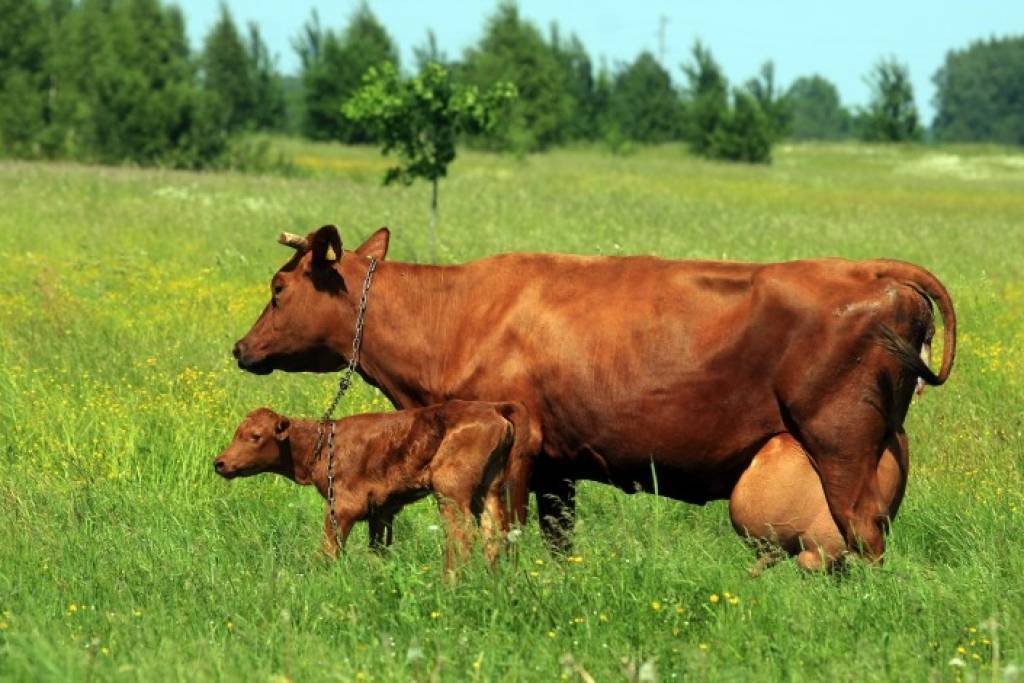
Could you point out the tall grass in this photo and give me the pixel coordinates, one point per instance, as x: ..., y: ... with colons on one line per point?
x: 124, y: 558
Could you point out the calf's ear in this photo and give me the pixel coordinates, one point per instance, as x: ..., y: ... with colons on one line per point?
x: 326, y: 246
x: 281, y: 428
x: 376, y: 245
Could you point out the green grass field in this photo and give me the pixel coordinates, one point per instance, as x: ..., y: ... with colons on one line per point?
x: 124, y: 558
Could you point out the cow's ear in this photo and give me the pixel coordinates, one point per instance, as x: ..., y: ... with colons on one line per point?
x: 376, y: 246
x: 326, y: 246
x: 281, y: 428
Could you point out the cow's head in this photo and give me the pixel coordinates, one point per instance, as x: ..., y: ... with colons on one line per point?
x: 309, y: 322
x: 259, y: 446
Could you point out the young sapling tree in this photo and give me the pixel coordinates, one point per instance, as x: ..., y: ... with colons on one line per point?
x: 420, y: 120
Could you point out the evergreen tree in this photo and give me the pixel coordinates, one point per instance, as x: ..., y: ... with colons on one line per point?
x: 270, y: 111
x: 228, y: 72
x: 892, y: 115
x: 24, y: 47
x: 707, y: 98
x: 578, y: 84
x: 737, y: 128
x: 332, y: 70
x: 771, y: 101
x: 816, y: 110
x: 513, y: 50
x: 980, y: 93
x: 643, y: 105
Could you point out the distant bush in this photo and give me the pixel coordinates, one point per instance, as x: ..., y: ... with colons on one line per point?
x: 741, y: 126
x: 115, y: 82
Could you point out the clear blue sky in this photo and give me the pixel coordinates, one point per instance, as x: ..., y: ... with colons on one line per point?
x: 839, y: 40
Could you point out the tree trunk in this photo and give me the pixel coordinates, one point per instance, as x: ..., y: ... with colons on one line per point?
x: 433, y: 224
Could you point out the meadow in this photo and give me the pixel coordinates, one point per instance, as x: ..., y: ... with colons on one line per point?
x: 123, y: 557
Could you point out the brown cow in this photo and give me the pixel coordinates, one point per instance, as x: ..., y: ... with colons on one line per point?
x: 458, y: 451
x: 630, y: 367
x: 778, y: 503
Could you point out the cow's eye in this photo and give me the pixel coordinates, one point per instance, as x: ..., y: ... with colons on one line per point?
x: 278, y: 288
x: 255, y: 436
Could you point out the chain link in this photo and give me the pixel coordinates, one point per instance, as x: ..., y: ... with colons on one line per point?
x: 343, y: 384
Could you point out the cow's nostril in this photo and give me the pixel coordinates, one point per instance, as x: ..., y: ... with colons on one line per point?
x: 237, y: 351
x: 218, y: 466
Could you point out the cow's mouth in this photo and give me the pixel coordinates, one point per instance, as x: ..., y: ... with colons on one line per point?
x: 256, y: 367
x: 320, y: 359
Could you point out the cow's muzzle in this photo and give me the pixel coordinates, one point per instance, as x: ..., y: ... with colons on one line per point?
x: 257, y: 366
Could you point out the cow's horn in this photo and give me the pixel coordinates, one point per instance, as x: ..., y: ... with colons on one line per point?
x: 293, y: 241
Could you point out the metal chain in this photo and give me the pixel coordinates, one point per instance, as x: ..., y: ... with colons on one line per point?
x: 343, y: 384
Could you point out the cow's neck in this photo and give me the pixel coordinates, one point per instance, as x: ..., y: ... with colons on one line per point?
x: 412, y: 313
x: 297, y: 452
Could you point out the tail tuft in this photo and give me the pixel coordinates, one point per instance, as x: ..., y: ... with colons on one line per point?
x: 907, y: 355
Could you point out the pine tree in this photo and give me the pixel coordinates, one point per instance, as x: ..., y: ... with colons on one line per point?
x: 228, y: 73
x: 24, y: 69
x: 268, y: 85
x: 514, y: 50
x: 332, y: 70
x: 643, y: 105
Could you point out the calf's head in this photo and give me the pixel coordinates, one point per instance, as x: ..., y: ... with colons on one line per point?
x: 260, y: 445
x: 308, y: 324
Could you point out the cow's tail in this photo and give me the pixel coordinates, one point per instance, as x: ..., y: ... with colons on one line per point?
x: 929, y: 286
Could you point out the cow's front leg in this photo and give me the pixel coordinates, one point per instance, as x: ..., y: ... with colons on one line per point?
x: 556, y: 508
x: 381, y: 535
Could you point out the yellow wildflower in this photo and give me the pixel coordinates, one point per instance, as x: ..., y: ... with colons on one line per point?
x: 714, y: 598
x: 551, y: 634
x: 703, y: 647
x: 655, y: 605
x: 435, y: 615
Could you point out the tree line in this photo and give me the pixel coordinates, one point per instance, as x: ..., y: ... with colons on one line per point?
x: 116, y: 81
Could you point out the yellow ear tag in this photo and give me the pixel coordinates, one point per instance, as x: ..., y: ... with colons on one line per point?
x: 330, y: 255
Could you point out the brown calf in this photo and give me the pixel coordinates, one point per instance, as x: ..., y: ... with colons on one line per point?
x: 457, y: 451
x: 779, y: 504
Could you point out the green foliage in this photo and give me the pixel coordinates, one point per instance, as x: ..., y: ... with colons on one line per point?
x: 268, y: 84
x: 742, y: 129
x: 241, y: 75
x: 643, y: 106
x: 771, y: 101
x: 332, y: 70
x: 980, y: 93
x: 707, y: 99
x: 227, y: 73
x: 24, y: 47
x: 744, y: 132
x: 513, y: 50
x: 109, y: 81
x: 421, y: 118
x: 891, y: 115
x: 816, y: 110
x: 121, y: 293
